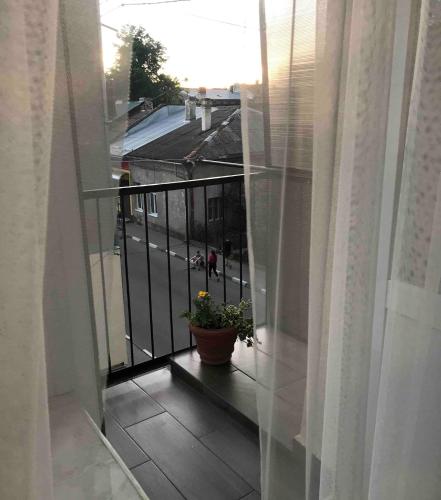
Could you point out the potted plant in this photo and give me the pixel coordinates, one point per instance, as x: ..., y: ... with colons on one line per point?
x: 216, y: 327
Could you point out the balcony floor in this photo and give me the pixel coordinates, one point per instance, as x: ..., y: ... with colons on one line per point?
x: 178, y: 444
x: 233, y: 387
x: 228, y: 386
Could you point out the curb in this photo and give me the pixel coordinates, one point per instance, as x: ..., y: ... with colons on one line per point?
x: 234, y: 279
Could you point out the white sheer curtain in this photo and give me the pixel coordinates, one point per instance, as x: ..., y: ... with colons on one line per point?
x: 406, y: 457
x: 53, y: 145
x: 371, y: 425
x: 27, y: 87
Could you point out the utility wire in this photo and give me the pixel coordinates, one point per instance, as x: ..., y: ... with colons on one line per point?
x: 154, y: 3
x: 111, y: 10
x: 218, y: 21
x: 109, y: 27
x: 130, y: 4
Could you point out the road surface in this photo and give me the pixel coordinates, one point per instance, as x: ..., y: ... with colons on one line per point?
x: 138, y: 285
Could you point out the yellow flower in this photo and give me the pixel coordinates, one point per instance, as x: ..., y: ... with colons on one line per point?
x: 202, y: 294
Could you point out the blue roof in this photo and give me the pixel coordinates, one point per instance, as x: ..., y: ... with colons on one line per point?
x: 157, y: 124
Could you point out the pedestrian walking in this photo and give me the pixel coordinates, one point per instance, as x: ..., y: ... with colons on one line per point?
x: 212, y: 264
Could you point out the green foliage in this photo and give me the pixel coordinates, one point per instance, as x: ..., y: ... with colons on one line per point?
x: 234, y: 316
x: 207, y: 314
x: 147, y: 57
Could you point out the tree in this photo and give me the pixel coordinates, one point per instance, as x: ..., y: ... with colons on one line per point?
x: 146, y: 57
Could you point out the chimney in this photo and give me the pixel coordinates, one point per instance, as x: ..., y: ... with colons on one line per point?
x: 190, y: 109
x: 148, y: 104
x: 120, y: 107
x: 206, y: 114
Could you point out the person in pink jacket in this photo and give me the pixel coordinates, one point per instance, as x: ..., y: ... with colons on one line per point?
x: 212, y: 264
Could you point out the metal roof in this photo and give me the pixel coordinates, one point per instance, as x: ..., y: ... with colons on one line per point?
x: 133, y: 104
x: 184, y: 140
x: 123, y: 108
x: 157, y: 124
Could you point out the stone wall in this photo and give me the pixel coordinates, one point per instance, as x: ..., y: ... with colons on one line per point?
x: 156, y: 171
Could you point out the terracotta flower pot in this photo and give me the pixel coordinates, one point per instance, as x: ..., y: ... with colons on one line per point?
x: 214, y: 346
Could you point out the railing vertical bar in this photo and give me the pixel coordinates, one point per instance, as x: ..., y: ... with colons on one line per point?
x: 126, y: 271
x: 103, y: 286
x: 240, y: 241
x: 206, y: 237
x: 187, y: 239
x: 149, y: 280
x: 223, y: 244
x: 169, y: 273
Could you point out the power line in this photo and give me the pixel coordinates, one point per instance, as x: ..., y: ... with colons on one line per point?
x: 154, y: 3
x: 109, y: 27
x: 218, y: 21
x: 111, y: 10
x: 141, y: 3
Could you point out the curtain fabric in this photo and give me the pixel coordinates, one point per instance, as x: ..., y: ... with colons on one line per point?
x: 370, y: 424
x: 28, y: 30
x: 358, y: 65
x: 53, y: 145
x: 406, y: 457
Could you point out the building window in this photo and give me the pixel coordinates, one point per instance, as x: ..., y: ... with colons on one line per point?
x: 152, y: 207
x: 139, y: 202
x: 214, y: 209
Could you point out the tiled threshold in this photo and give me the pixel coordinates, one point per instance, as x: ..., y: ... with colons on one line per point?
x: 233, y: 386
x: 225, y: 385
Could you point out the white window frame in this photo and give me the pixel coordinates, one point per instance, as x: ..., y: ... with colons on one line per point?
x: 152, y: 205
x: 139, y: 203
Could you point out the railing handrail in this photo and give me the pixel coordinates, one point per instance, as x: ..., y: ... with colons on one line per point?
x: 160, y: 187
x: 297, y: 174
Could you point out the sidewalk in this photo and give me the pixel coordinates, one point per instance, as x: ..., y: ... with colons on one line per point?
x: 178, y: 249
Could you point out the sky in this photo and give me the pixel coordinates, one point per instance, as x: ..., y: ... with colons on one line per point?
x: 210, y: 43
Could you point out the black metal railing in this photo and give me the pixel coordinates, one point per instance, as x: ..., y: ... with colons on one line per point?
x: 232, y: 186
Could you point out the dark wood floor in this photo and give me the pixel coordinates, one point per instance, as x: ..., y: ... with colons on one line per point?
x: 178, y: 444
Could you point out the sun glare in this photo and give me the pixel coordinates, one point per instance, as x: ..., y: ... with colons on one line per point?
x: 212, y: 43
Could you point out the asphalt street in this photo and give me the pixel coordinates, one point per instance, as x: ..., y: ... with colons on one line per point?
x: 139, y: 298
